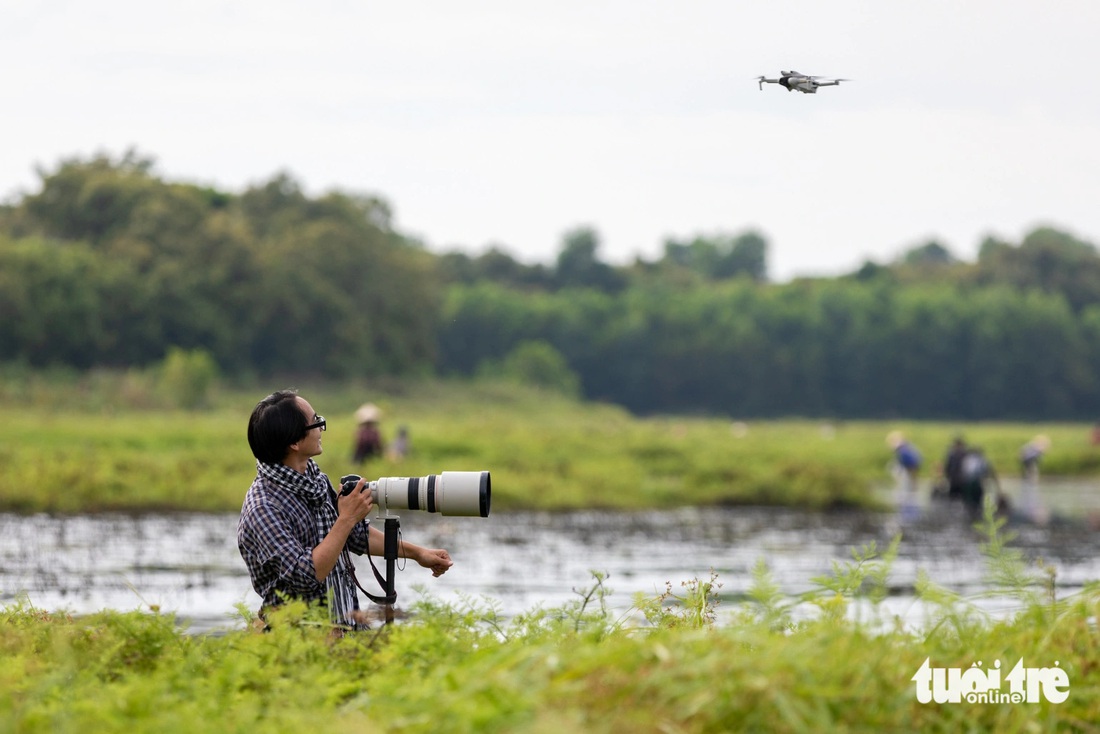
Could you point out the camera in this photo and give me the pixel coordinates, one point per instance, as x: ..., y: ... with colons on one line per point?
x: 453, y: 493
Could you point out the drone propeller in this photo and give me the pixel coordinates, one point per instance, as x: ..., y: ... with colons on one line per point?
x: 760, y: 80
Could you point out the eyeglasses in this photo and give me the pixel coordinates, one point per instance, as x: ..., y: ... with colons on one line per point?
x: 319, y: 423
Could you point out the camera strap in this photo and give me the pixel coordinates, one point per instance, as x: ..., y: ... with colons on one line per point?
x: 383, y: 600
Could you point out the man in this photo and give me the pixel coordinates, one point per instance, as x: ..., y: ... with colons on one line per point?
x: 1031, y: 505
x: 952, y: 468
x: 295, y: 531
x: 906, y: 465
x: 975, y: 472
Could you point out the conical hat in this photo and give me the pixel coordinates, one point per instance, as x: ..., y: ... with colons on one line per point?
x: 368, y: 413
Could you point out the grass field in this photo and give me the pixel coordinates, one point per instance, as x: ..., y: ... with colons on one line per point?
x: 462, y: 667
x: 79, y: 451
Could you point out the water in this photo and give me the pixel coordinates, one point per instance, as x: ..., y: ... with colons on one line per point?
x: 188, y: 563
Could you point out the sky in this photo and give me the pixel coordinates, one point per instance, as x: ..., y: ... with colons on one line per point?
x: 496, y: 123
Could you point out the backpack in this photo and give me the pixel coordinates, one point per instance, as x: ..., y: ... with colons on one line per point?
x: 974, y: 467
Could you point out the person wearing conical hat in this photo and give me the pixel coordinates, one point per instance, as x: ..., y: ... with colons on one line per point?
x: 1031, y: 504
x: 368, y: 437
x: 905, y: 467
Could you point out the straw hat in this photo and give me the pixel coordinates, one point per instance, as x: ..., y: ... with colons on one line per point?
x: 368, y: 413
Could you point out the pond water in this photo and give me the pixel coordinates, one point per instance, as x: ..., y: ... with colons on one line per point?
x: 188, y: 563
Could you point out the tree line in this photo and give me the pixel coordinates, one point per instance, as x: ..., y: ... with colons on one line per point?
x: 107, y: 264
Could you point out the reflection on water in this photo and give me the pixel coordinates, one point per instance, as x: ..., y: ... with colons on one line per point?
x: 189, y: 564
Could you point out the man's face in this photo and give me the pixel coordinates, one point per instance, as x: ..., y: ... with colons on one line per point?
x: 310, y: 445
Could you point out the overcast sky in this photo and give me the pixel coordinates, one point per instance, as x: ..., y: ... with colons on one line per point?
x: 508, y: 123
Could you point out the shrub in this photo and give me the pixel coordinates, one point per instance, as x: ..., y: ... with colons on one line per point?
x: 187, y: 376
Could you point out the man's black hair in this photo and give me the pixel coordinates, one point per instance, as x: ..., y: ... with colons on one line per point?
x: 276, y: 422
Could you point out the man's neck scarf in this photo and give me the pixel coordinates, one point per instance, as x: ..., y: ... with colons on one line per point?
x: 314, y: 488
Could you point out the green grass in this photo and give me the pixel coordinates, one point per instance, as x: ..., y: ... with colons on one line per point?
x: 461, y: 668
x: 100, y: 448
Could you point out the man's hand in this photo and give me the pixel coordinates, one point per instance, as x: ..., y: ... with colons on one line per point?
x: 356, y: 504
x: 435, y: 559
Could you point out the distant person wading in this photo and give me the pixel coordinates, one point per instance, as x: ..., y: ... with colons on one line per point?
x: 368, y: 436
x: 905, y: 466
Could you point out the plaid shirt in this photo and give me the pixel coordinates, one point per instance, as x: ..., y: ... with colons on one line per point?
x: 284, y: 517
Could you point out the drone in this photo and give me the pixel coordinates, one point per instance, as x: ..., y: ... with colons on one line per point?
x: 802, y: 82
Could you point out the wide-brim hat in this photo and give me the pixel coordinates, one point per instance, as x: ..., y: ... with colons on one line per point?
x: 368, y: 413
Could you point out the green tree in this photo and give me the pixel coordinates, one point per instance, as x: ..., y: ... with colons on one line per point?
x: 52, y: 299
x: 1054, y: 261
x: 495, y: 266
x: 931, y: 253
x: 187, y: 377
x: 271, y: 280
x: 720, y: 256
x: 539, y: 364
x: 579, y: 266
x: 89, y: 200
x: 343, y: 297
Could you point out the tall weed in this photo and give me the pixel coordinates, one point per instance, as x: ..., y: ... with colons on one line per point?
x: 460, y: 668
